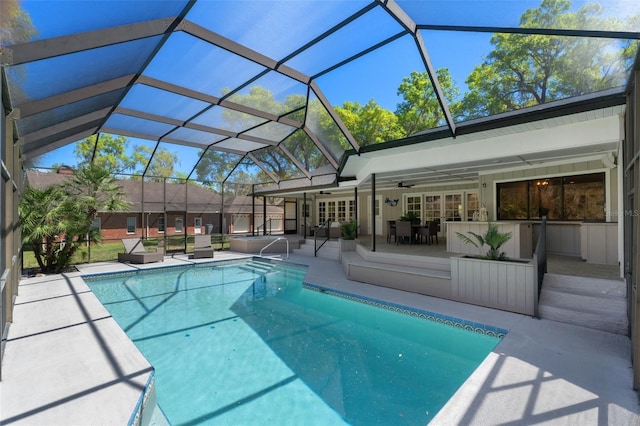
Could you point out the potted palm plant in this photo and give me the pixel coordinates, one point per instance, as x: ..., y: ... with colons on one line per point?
x: 348, y: 230
x: 493, y: 238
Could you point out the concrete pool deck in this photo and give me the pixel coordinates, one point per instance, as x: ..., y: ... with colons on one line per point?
x: 67, y: 362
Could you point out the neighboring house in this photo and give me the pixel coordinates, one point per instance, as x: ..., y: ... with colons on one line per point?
x: 159, y: 209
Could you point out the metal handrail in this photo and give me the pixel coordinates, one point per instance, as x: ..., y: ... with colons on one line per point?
x: 273, y: 242
x: 326, y: 225
x: 264, y: 224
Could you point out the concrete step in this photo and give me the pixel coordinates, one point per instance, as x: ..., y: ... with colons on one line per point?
x: 330, y: 250
x: 605, y: 322
x: 588, y: 302
x: 584, y: 285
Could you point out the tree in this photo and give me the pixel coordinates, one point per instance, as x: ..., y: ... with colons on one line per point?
x: 370, y: 124
x: 15, y: 24
x: 161, y: 165
x: 111, y: 153
x: 67, y: 211
x: 420, y: 109
x: 524, y: 70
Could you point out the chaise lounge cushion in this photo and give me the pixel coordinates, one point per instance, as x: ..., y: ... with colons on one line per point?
x: 202, y: 247
x: 136, y: 253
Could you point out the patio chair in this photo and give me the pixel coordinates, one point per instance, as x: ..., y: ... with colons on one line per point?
x: 391, y: 231
x: 202, y: 247
x: 423, y: 233
x: 403, y: 230
x: 433, y: 231
x: 136, y: 253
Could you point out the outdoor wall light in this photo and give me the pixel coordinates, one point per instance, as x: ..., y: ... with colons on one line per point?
x: 391, y: 202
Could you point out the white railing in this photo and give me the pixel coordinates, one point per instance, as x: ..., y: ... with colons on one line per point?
x: 273, y: 242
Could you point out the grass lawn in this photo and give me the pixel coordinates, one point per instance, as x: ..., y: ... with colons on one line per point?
x: 108, y: 250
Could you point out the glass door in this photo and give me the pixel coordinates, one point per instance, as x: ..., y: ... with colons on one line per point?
x: 453, y: 207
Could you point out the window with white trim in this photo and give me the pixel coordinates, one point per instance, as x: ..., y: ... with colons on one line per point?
x: 131, y: 225
x: 178, y: 225
x: 161, y: 226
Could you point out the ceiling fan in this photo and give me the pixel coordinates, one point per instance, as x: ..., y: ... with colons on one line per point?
x: 404, y: 185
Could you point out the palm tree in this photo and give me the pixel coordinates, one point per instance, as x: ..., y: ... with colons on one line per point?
x: 41, y: 215
x: 68, y: 211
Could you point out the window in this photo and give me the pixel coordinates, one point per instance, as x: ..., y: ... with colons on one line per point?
x: 432, y: 207
x: 96, y: 224
x: 197, y: 225
x: 131, y: 225
x: 161, y: 226
x: 472, y: 206
x: 352, y: 209
x: 453, y: 207
x: 322, y: 212
x: 513, y: 200
x: 580, y: 197
x: 414, y: 205
x: 342, y: 211
x: 178, y: 224
x: 584, y: 197
x: 331, y: 210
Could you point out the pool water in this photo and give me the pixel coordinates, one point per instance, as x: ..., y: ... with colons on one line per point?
x: 246, y: 344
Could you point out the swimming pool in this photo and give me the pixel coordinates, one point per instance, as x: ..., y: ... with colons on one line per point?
x: 243, y: 343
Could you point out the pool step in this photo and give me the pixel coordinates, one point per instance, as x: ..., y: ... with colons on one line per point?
x: 257, y: 267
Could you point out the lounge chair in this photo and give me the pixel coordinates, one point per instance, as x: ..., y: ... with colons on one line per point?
x: 136, y: 253
x: 202, y: 247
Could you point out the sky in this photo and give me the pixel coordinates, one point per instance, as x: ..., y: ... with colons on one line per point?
x: 374, y: 76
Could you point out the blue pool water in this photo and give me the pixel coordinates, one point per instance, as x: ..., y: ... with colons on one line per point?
x: 246, y: 344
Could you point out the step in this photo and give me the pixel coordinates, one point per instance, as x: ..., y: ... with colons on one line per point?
x: 583, y: 303
x: 330, y: 250
x: 584, y: 285
x: 589, y: 302
x: 257, y: 267
x: 605, y: 322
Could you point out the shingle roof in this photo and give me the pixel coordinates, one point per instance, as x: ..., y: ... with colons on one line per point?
x: 158, y: 197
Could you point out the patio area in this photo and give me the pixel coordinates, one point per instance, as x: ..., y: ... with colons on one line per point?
x: 557, y: 264
x: 88, y: 371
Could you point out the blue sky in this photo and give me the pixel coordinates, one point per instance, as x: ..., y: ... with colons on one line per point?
x: 374, y: 76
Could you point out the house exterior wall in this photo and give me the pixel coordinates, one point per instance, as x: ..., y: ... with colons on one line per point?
x: 114, y: 225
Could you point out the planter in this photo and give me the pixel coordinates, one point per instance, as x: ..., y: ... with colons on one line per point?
x: 507, y: 285
x: 347, y: 245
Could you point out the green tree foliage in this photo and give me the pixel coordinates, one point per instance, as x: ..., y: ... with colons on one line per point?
x: 420, y: 109
x: 67, y: 211
x: 162, y: 161
x: 370, y: 124
x: 15, y: 24
x: 525, y: 70
x: 305, y: 151
x: 110, y: 154
x: 217, y: 166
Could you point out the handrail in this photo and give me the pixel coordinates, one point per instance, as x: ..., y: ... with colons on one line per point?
x: 264, y: 224
x: 540, y: 259
x: 273, y: 242
x: 326, y: 225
